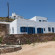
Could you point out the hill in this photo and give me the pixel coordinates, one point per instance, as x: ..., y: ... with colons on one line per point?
x: 6, y: 19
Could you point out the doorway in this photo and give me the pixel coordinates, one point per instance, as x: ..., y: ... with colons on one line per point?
x: 39, y: 30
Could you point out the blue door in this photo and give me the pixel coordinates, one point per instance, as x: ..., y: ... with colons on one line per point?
x: 39, y: 30
x: 31, y: 30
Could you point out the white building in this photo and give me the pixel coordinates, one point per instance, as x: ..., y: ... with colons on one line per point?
x: 31, y: 26
x: 14, y: 16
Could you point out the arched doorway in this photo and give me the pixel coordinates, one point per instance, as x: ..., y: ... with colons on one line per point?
x: 39, y: 30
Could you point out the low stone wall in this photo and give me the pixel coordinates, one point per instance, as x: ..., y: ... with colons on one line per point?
x: 4, y: 29
x: 28, y: 38
x: 9, y: 49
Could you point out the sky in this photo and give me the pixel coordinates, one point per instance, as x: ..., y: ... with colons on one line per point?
x: 29, y: 8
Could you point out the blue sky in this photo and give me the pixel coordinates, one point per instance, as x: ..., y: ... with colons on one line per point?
x: 29, y: 8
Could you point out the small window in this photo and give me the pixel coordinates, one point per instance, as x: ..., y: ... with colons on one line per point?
x: 52, y: 29
x: 44, y: 29
x: 49, y: 29
x: 44, y: 20
x: 39, y: 20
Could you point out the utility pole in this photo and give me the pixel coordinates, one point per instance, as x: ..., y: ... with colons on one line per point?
x: 8, y: 10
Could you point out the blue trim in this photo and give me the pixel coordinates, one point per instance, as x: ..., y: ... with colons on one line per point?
x: 23, y: 29
x: 53, y: 30
x: 29, y: 30
x: 39, y: 30
x: 49, y: 28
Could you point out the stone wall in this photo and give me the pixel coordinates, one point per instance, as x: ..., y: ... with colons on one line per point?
x: 4, y: 29
x: 27, y: 39
x: 7, y: 49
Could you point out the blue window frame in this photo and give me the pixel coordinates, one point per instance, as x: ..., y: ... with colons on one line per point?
x: 23, y: 29
x: 31, y: 30
x: 39, y: 30
x: 49, y: 29
x: 44, y: 29
x: 52, y: 29
x: 39, y: 20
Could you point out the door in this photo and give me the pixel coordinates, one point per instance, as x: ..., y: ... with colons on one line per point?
x: 31, y: 30
x: 39, y: 30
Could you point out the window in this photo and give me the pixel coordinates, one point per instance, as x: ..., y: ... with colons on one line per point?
x: 39, y: 20
x: 40, y: 30
x: 49, y: 29
x: 31, y: 30
x: 44, y: 29
x: 23, y: 29
x: 12, y: 29
x: 44, y: 21
x: 52, y: 29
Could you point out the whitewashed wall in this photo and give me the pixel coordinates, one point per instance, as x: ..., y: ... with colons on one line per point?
x: 14, y: 25
x: 30, y: 23
x: 37, y: 18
